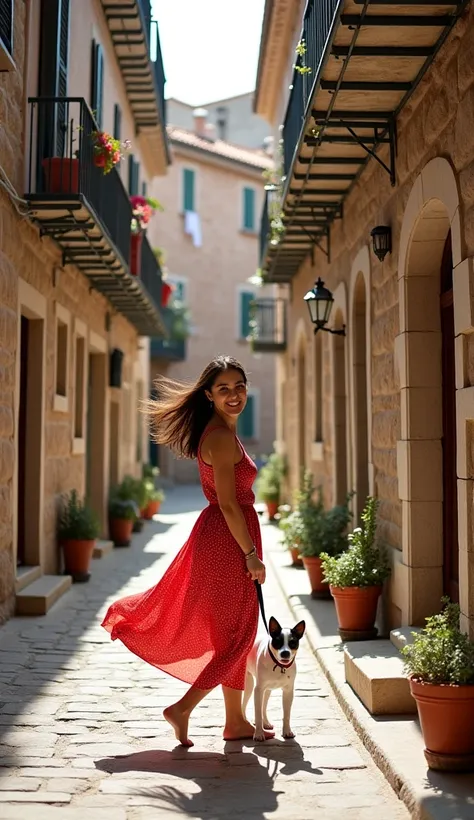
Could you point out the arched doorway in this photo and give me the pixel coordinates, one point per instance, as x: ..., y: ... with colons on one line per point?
x: 340, y: 414
x: 359, y: 368
x: 450, y: 497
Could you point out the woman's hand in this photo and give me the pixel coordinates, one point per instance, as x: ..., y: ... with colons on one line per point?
x: 256, y: 569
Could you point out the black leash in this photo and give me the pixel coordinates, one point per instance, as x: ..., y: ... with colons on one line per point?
x: 258, y: 587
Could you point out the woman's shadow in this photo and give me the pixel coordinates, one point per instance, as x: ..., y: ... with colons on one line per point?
x: 213, y: 785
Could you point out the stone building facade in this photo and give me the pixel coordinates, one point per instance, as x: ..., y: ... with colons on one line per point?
x: 62, y: 425
x: 386, y: 409
x: 222, y: 185
x: 232, y: 119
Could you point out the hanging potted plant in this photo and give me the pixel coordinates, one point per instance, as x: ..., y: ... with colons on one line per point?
x: 356, y: 578
x: 440, y: 665
x: 143, y: 208
x: 108, y: 151
x: 269, y: 483
x: 78, y: 528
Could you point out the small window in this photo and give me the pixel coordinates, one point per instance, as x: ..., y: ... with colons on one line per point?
x: 179, y: 292
x: 6, y: 34
x: 188, y: 189
x: 249, y: 209
x: 246, y: 299
x: 246, y: 424
x: 62, y: 360
x: 97, y: 82
x: 79, y: 392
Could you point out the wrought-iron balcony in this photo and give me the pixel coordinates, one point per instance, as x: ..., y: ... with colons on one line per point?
x: 136, y: 41
x: 268, y: 325
x: 362, y: 63
x: 169, y: 349
x: 86, y: 212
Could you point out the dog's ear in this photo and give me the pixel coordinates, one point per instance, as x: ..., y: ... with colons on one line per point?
x: 274, y: 627
x: 299, y: 629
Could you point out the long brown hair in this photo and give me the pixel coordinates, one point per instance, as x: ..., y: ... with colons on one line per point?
x: 180, y: 413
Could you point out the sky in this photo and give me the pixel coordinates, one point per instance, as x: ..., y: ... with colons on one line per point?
x: 210, y: 47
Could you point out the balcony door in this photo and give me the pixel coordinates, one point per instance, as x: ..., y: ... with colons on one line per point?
x: 54, y: 137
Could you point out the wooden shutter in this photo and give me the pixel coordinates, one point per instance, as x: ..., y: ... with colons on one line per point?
x: 53, y: 76
x: 6, y: 24
x: 246, y: 421
x: 188, y: 189
x: 117, y: 122
x: 249, y: 209
x: 97, y: 81
x: 246, y: 299
x: 133, y: 175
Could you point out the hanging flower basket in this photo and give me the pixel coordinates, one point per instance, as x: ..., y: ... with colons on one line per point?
x: 108, y: 151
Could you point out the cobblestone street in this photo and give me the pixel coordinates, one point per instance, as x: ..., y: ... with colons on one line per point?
x: 82, y: 733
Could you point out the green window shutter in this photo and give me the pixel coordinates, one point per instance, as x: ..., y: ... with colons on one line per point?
x: 188, y: 189
x: 249, y: 209
x: 246, y: 299
x: 179, y: 291
x: 133, y: 175
x: 246, y: 421
x: 97, y: 82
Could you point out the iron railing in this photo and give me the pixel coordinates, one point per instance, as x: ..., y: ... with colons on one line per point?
x: 268, y: 325
x: 62, y: 164
x: 318, y: 20
x: 160, y: 79
x: 170, y: 349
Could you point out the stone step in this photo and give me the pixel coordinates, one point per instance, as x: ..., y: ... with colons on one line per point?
x: 374, y: 670
x: 102, y: 548
x: 403, y: 635
x: 26, y: 576
x: 37, y: 598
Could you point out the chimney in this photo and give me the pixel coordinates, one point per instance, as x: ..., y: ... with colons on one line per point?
x: 200, y: 119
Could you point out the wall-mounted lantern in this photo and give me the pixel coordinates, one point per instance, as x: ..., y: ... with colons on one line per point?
x: 381, y: 241
x: 320, y: 301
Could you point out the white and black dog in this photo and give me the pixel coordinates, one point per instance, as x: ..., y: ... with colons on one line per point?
x: 271, y: 665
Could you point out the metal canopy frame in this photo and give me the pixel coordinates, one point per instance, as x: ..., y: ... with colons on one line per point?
x: 328, y: 128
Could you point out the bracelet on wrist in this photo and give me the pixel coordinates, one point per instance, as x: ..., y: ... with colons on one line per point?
x: 250, y: 554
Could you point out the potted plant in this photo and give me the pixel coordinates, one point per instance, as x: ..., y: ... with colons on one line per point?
x: 143, y: 208
x: 78, y: 528
x: 269, y: 483
x: 134, y: 489
x: 440, y: 665
x: 321, y: 532
x: 291, y: 527
x: 122, y: 515
x: 356, y: 578
x: 108, y: 151
x: 154, y: 501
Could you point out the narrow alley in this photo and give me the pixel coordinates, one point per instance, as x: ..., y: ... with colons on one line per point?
x: 82, y: 733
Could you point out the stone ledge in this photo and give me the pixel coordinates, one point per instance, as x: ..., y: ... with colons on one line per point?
x: 374, y: 670
x: 102, y: 548
x: 39, y: 597
x: 26, y: 576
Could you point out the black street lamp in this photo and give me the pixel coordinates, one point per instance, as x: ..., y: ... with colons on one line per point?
x: 320, y: 301
x: 381, y: 241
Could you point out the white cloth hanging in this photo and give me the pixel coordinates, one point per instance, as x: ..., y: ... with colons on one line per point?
x: 192, y: 226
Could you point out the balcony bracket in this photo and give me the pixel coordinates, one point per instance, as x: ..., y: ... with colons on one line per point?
x: 316, y: 241
x: 385, y: 132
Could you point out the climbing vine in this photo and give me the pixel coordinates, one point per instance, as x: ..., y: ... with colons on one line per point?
x: 300, y: 65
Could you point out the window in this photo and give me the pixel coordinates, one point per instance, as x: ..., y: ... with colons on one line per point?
x: 249, y: 209
x: 79, y: 389
x: 62, y: 360
x: 246, y: 298
x: 144, y: 189
x: 247, y: 427
x: 179, y: 285
x: 6, y: 34
x: 188, y: 189
x: 133, y: 175
x: 117, y: 122
x: 97, y: 82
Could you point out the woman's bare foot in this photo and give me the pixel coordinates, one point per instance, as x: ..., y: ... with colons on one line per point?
x: 179, y: 721
x: 242, y: 731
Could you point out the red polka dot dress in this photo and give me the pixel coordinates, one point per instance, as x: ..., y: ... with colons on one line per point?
x: 200, y: 621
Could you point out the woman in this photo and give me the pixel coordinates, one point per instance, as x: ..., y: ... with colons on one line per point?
x: 199, y: 622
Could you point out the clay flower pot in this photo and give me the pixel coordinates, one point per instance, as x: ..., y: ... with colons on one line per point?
x: 296, y: 558
x: 272, y: 509
x: 356, y: 607
x: 61, y: 175
x: 120, y: 530
x: 77, y: 558
x: 151, y: 509
x: 446, y: 713
x: 319, y: 588
x: 136, y: 240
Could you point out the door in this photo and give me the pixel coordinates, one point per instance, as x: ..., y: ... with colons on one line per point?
x: 22, y: 428
x: 450, y: 496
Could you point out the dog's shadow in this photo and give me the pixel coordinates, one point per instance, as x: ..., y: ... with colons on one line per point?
x: 212, y: 782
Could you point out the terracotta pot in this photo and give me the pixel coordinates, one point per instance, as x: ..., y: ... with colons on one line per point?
x: 272, y: 509
x: 136, y: 240
x: 77, y: 558
x: 120, y: 530
x: 296, y: 557
x: 446, y: 715
x: 62, y: 175
x: 151, y: 509
x: 356, y: 607
x: 166, y: 291
x: 319, y: 588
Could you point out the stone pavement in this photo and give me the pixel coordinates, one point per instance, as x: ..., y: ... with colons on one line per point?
x: 82, y: 734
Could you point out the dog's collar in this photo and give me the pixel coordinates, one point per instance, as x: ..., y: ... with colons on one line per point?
x: 283, y: 666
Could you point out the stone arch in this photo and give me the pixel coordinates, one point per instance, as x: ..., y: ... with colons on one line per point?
x: 431, y: 219
x: 340, y: 392
x: 360, y: 363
